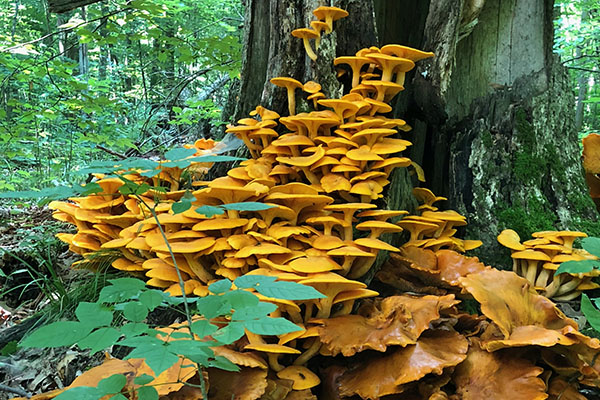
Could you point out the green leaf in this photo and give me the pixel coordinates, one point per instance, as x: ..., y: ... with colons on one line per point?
x: 134, y: 329
x: 121, y: 289
x: 577, y: 267
x: 151, y: 299
x: 592, y: 245
x: 224, y: 364
x: 591, y: 313
x: 100, y: 339
x: 147, y: 393
x: 260, y: 310
x: 118, y: 396
x: 81, y: 393
x: 141, y: 341
x: 143, y: 379
x: 184, y: 204
x: 112, y: 384
x: 203, y: 328
x: 220, y: 286
x: 135, y: 311
x: 57, y: 334
x: 289, y: 291
x: 230, y: 333
x: 210, y: 211
x: 271, y: 326
x: 212, y: 306
x: 240, y: 299
x: 94, y: 314
x: 158, y: 358
x: 179, y: 154
x: 252, y: 281
x: 247, y: 206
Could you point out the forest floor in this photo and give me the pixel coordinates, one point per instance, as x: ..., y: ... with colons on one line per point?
x: 34, y: 270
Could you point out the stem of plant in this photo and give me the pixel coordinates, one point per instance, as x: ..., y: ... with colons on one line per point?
x: 188, y: 315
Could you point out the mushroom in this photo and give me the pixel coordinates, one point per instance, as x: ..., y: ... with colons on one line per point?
x: 306, y: 34
x: 290, y: 85
x: 329, y: 14
x: 302, y: 377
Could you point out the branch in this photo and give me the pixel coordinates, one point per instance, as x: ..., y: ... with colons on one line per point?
x: 594, y: 71
x: 6, y: 49
x: 109, y: 151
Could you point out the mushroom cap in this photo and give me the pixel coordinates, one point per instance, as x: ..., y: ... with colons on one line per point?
x: 378, y: 225
x: 426, y: 196
x: 314, y: 264
x: 382, y: 214
x: 318, y: 26
x: 363, y: 153
x: 219, y: 223
x: 509, y: 238
x: 530, y: 255
x: 303, y: 161
x: 286, y: 82
x: 405, y: 52
x: 302, y: 377
x: 375, y: 244
x: 261, y: 249
x: 304, y: 33
x: 271, y: 348
x: 327, y: 242
x: 193, y: 246
x: 311, y: 86
x: 334, y: 13
x: 349, y: 251
x: 354, y: 295
x: 333, y: 182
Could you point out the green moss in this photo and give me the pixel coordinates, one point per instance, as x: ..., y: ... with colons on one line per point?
x: 487, y: 140
x: 528, y: 167
x: 536, y: 215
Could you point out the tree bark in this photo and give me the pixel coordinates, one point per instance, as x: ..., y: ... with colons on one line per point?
x: 491, y: 114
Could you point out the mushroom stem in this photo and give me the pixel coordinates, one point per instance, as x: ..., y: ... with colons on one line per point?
x: 568, y: 286
x: 274, y: 362
x: 292, y: 99
x: 553, y: 287
x: 308, y: 354
x: 361, y: 268
x: 531, y: 271
x: 569, y: 296
x: 309, y: 50
x: 542, y: 279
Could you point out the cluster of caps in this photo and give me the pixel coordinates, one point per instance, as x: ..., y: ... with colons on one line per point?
x: 537, y: 260
x: 326, y: 16
x: 109, y: 215
x: 434, y: 229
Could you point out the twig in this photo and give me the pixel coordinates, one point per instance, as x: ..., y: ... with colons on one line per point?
x: 18, y: 391
x: 109, y: 151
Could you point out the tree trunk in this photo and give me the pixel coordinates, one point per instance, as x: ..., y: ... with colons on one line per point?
x: 491, y: 114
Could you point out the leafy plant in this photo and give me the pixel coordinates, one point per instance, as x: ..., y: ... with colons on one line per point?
x: 221, y: 319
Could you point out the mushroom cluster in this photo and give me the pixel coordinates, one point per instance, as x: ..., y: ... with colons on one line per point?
x: 318, y: 175
x: 434, y: 229
x: 537, y: 260
x: 326, y: 16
